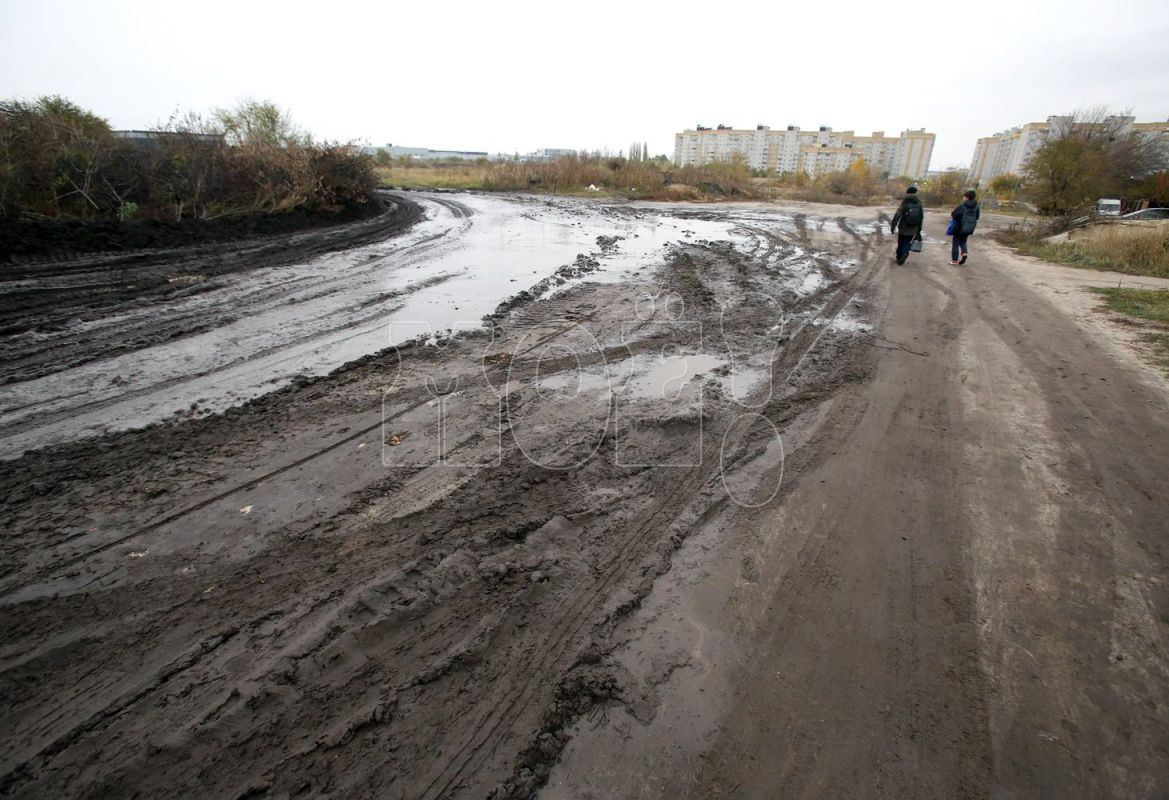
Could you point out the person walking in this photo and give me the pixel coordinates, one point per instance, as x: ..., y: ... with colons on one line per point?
x: 964, y: 221
x: 907, y: 223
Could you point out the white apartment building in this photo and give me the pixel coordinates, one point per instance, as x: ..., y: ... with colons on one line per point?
x: 813, y: 151
x: 1009, y: 151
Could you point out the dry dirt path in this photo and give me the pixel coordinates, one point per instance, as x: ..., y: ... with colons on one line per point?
x: 768, y: 516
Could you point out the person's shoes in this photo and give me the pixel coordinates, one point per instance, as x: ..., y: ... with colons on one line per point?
x: 962, y: 260
x: 900, y: 259
x: 954, y: 263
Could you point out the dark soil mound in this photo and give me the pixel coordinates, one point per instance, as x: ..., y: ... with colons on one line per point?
x: 67, y: 237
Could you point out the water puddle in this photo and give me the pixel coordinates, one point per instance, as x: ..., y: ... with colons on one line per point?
x: 655, y: 377
x: 265, y: 327
x: 665, y: 379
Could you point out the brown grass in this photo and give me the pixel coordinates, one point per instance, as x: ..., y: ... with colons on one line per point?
x: 1132, y: 249
x: 442, y: 175
x: 615, y: 176
x: 574, y: 175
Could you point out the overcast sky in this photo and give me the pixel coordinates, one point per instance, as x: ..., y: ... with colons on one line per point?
x: 509, y: 76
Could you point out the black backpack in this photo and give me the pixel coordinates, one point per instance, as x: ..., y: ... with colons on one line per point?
x: 969, y: 220
x: 912, y: 217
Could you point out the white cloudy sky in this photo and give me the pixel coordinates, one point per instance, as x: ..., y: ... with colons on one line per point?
x: 510, y: 76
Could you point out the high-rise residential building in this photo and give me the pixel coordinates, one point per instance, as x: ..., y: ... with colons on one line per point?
x: 1009, y: 151
x: 814, y: 152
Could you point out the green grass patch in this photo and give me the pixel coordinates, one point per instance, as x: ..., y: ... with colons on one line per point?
x: 1160, y: 344
x: 1151, y: 305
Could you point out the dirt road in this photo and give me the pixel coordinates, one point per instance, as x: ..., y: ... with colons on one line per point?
x: 743, y: 510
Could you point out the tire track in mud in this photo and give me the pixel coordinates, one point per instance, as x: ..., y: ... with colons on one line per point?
x: 572, y: 619
x: 316, y: 454
x: 493, y: 724
x: 119, y: 705
x: 135, y: 329
x: 150, y: 267
x: 256, y: 355
x: 128, y: 326
x: 417, y: 251
x: 128, y: 330
x: 578, y: 616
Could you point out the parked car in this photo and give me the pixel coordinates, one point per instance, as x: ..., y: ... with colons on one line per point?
x: 1107, y: 207
x: 1148, y: 213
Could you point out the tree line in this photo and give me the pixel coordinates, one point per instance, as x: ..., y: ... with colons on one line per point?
x: 1093, y: 154
x: 60, y: 161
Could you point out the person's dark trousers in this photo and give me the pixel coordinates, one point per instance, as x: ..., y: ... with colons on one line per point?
x: 959, y: 243
x: 903, y: 243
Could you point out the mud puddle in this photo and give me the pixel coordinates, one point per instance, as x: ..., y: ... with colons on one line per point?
x: 260, y: 330
x: 661, y: 376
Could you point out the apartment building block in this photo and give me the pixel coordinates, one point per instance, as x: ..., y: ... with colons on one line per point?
x: 814, y: 152
x: 1007, y: 152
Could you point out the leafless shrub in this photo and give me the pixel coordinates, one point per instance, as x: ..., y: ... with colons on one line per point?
x: 60, y: 161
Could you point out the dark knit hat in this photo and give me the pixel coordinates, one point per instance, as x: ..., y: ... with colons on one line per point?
x: 911, y: 190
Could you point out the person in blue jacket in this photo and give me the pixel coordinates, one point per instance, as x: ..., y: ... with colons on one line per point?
x: 965, y: 218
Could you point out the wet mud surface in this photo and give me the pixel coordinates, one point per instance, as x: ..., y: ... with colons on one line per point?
x: 335, y: 568
x: 474, y: 563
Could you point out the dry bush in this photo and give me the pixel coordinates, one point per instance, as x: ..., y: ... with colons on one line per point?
x: 731, y: 179
x: 60, y: 161
x: 680, y: 191
x: 1140, y: 249
x: 344, y: 176
x: 617, y: 175
x: 56, y: 159
x: 1137, y: 249
x: 572, y: 174
x: 857, y: 184
x: 944, y: 190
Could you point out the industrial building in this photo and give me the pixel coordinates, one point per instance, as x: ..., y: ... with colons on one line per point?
x: 426, y: 154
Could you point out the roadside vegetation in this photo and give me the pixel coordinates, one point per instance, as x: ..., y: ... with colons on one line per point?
x: 1091, y: 158
x: 454, y: 174
x: 593, y: 174
x: 60, y: 163
x: 580, y: 174
x: 1150, y: 305
x: 1094, y: 157
x: 1132, y: 249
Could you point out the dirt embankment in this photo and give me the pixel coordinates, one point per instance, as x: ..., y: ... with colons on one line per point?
x: 57, y: 239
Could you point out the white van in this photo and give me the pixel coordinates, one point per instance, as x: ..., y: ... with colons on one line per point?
x: 1108, y: 208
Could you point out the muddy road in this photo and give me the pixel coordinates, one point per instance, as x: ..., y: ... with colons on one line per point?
x: 106, y: 342
x: 715, y: 502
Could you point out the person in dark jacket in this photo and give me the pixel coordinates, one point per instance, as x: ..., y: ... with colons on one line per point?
x: 965, y: 218
x: 907, y: 223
